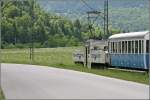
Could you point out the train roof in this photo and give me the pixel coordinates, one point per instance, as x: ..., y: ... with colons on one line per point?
x: 129, y: 35
x: 96, y: 42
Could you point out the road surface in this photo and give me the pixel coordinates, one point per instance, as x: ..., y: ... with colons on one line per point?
x: 38, y: 82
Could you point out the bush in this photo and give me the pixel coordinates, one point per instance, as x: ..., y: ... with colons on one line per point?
x: 19, y: 45
x: 38, y: 45
x: 9, y: 46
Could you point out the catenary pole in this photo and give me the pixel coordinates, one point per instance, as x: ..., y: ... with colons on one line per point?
x: 107, y: 18
x: 149, y: 41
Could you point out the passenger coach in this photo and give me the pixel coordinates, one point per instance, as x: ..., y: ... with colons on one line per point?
x: 129, y: 50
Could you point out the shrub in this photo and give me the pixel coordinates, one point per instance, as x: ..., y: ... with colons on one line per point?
x: 9, y: 46
x: 19, y: 45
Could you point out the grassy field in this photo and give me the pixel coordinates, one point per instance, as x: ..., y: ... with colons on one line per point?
x: 62, y: 58
x: 1, y: 95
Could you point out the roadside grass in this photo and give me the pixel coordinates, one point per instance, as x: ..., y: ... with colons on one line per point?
x: 1, y: 95
x: 62, y: 58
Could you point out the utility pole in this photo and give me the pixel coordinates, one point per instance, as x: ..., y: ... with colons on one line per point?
x: 105, y: 19
x: 32, y: 39
x: 32, y: 34
x: 106, y: 30
x: 149, y: 35
x: 89, y: 23
x: 92, y: 15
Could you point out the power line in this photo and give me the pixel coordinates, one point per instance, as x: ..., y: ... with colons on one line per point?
x: 94, y: 18
x: 76, y: 12
x: 88, y: 5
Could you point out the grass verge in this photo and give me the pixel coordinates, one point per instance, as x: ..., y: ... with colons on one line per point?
x: 62, y: 58
x: 1, y: 95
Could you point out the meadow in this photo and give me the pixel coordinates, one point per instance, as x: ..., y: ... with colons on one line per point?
x: 1, y: 95
x: 61, y: 57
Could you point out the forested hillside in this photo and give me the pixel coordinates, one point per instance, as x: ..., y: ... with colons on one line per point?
x: 23, y: 19
x: 127, y: 15
x: 26, y: 21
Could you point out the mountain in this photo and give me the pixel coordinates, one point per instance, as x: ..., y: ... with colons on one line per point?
x: 79, y: 5
x: 129, y: 15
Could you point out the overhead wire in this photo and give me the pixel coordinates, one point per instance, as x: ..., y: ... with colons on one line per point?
x: 89, y: 23
x: 88, y: 5
x: 85, y: 4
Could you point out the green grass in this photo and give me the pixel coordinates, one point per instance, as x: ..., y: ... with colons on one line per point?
x: 62, y: 58
x: 1, y: 95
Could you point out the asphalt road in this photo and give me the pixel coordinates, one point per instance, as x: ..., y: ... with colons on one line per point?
x: 39, y: 82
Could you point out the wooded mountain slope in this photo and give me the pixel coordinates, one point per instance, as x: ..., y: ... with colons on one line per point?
x: 29, y: 21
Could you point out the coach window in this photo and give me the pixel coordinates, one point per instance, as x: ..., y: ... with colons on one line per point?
x: 115, y: 47
x: 122, y: 46
x: 147, y: 46
x: 111, y: 47
x: 132, y: 46
x: 125, y: 46
x: 129, y: 46
x: 140, y: 46
x: 136, y: 46
x: 118, y: 47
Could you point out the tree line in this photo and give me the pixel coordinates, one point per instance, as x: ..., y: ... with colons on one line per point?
x: 25, y: 21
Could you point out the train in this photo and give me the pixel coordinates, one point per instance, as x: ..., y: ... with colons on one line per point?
x: 122, y: 50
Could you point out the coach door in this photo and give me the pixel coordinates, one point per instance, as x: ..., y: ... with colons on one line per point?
x: 147, y: 54
x: 86, y: 55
